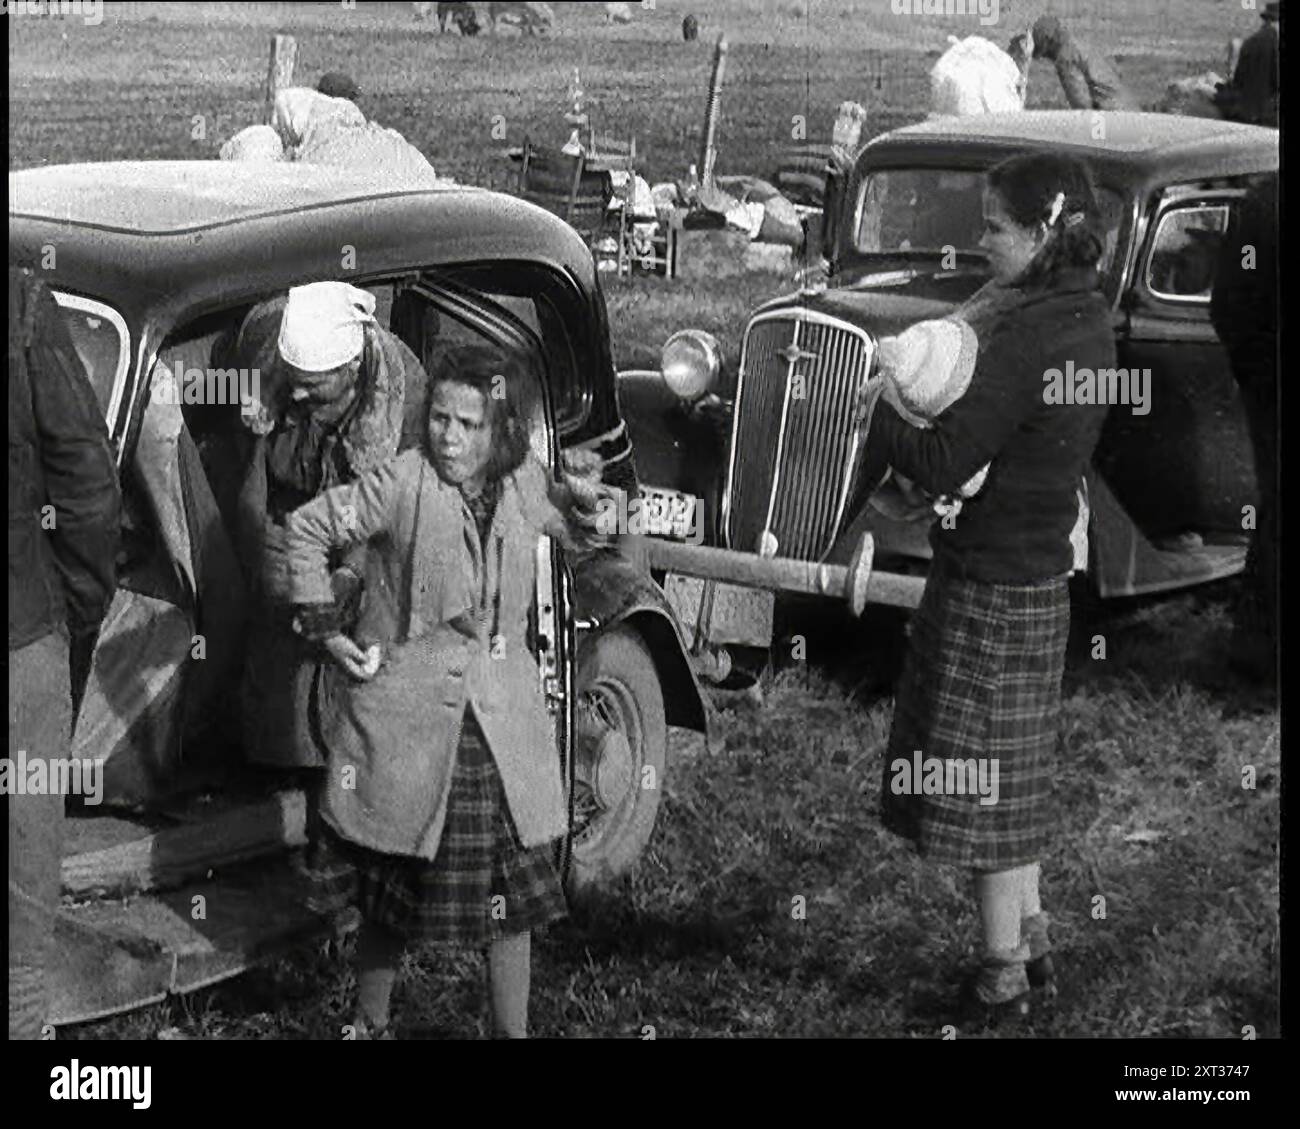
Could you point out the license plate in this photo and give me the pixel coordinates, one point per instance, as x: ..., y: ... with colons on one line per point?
x: 665, y: 513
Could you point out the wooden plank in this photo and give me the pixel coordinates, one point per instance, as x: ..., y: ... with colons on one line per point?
x: 279, y: 74
x: 170, y: 856
x: 116, y: 956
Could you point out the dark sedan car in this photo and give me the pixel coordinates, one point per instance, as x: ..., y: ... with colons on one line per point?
x: 155, y: 265
x: 770, y: 451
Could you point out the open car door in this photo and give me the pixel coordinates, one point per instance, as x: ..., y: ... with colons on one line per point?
x: 172, y: 635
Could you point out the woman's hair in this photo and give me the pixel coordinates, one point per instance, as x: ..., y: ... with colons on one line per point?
x: 505, y: 383
x: 1028, y: 186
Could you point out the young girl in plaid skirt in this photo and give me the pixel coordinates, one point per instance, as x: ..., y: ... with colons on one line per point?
x: 981, y: 681
x: 444, y: 794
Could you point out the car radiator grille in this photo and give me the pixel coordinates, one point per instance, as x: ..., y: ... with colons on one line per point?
x: 791, y: 455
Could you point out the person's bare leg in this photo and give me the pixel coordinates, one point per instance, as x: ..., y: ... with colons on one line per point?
x: 1030, y: 904
x: 509, y: 970
x: 1000, y: 895
x: 1033, y: 930
x: 378, y: 953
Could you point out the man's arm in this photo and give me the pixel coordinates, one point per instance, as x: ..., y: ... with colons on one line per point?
x: 80, y: 474
x: 1074, y: 82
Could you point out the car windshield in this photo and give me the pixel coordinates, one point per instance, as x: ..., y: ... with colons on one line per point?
x: 933, y: 210
x: 99, y: 336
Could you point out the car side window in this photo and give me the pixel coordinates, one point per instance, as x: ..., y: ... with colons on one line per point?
x: 1185, y: 252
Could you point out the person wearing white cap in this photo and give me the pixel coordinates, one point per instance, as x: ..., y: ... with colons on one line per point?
x: 335, y: 394
x: 320, y: 130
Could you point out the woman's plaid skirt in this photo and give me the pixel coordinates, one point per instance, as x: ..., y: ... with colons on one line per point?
x: 481, y: 885
x: 982, y: 680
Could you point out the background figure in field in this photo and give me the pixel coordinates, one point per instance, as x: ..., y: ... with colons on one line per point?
x: 320, y: 130
x: 1087, y: 75
x: 1253, y: 91
x: 64, y: 523
x: 1244, y: 311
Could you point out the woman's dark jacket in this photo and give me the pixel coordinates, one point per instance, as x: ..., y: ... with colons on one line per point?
x: 1016, y: 530
x: 61, y: 569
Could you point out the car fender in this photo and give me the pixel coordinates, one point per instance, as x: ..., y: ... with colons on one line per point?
x: 676, y: 446
x: 611, y: 589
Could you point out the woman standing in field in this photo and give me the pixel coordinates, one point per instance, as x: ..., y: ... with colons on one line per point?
x: 982, y: 678
x: 444, y: 790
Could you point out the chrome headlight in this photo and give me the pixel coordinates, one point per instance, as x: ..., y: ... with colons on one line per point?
x: 690, y: 362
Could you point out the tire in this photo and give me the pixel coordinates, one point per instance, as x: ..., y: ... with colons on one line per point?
x: 617, y: 682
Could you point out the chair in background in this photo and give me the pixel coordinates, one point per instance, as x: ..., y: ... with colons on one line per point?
x: 658, y: 254
x: 566, y: 186
x: 611, y: 153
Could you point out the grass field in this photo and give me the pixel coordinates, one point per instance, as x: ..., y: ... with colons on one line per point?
x: 701, y: 939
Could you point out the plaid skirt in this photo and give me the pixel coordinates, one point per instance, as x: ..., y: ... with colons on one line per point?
x: 980, y: 692
x: 481, y: 885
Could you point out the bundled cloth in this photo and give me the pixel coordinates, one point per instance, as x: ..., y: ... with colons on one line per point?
x: 321, y: 130
x: 255, y: 143
x: 927, y: 368
x: 1193, y: 97
x: 975, y: 76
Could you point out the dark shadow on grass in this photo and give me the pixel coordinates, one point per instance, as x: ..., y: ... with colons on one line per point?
x: 606, y: 925
x: 1161, y: 643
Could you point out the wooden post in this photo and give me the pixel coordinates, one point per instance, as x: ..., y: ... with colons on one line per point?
x: 284, y: 51
x: 1234, y: 54
x: 708, y: 142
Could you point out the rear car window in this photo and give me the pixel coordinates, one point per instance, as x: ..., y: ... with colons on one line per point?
x: 1185, y: 252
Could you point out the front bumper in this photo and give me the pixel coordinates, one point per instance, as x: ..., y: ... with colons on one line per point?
x: 856, y: 583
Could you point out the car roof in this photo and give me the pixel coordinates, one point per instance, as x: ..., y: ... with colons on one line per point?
x: 170, y: 197
x: 1142, y: 145
x: 154, y: 237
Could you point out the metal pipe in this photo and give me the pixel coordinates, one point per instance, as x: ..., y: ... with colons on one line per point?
x: 708, y: 146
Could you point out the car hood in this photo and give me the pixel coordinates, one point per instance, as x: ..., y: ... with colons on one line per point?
x: 880, y: 312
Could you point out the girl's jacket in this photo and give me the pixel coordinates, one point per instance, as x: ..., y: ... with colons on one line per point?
x: 452, y: 623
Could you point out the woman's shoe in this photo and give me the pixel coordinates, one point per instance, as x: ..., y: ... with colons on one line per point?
x: 1041, y: 973
x: 362, y: 1030
x: 1040, y: 969
x: 997, y: 994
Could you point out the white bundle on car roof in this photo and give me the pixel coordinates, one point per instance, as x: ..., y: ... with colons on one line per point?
x: 975, y: 76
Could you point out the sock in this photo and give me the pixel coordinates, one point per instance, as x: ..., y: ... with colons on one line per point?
x: 1030, y: 905
x: 1000, y: 895
x: 1002, y: 976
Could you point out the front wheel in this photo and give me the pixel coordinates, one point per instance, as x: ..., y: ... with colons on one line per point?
x: 620, y: 753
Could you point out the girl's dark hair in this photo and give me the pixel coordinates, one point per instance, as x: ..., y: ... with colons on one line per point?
x: 506, y: 384
x: 1028, y: 186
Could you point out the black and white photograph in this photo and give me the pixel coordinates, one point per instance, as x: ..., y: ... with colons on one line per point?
x: 673, y: 520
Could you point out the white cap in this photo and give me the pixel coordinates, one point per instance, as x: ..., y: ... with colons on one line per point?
x: 322, y: 326
x: 929, y: 365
